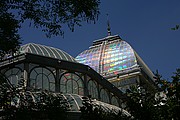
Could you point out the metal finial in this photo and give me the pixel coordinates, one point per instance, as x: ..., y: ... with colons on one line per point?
x: 108, y: 26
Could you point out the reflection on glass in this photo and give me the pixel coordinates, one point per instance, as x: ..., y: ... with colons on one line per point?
x: 114, y: 101
x: 92, y: 88
x: 14, y: 75
x: 71, y: 83
x: 116, y: 56
x: 42, y: 78
x: 104, y: 96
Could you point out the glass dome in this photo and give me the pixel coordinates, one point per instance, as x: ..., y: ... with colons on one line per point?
x: 46, y: 51
x: 109, y: 56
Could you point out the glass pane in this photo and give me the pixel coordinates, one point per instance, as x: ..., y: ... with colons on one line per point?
x: 69, y: 86
x: 45, y: 83
x: 78, y: 100
x: 72, y: 83
x: 39, y: 81
x: 104, y: 96
x: 72, y: 102
x: 114, y: 101
x: 32, y: 84
x: 13, y: 80
x: 92, y: 88
x: 41, y: 78
x: 75, y: 87
x: 116, y: 56
x: 44, y: 50
x: 63, y: 89
x: 14, y: 75
x: 52, y: 87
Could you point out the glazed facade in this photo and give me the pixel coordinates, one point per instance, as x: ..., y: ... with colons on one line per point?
x: 109, y: 57
x: 117, y: 61
x: 37, y: 72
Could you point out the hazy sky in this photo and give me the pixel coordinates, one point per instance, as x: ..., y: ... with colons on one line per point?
x: 144, y: 24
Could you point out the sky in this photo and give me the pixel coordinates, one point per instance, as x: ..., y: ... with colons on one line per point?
x: 144, y: 24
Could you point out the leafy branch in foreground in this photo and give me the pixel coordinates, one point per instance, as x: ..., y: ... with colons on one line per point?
x: 51, y: 15
x: 92, y: 110
x: 163, y: 105
x: 19, y: 104
x: 9, y: 37
x: 175, y: 28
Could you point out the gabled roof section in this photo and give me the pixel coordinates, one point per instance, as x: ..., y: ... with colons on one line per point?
x: 46, y: 51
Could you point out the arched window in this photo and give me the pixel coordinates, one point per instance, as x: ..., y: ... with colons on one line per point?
x: 14, y: 75
x: 92, y: 89
x: 114, y: 101
x: 71, y: 83
x: 104, y: 96
x: 42, y: 78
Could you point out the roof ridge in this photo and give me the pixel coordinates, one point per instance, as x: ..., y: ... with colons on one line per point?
x: 38, y: 49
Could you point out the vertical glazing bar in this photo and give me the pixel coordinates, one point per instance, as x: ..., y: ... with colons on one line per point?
x: 85, y: 81
x: 57, y: 81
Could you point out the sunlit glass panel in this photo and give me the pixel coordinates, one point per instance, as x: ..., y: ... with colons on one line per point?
x: 109, y: 58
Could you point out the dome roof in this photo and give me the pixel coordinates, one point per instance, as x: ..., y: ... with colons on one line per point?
x: 110, y: 55
x: 46, y: 51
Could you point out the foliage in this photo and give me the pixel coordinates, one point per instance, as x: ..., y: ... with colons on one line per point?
x: 49, y: 15
x: 17, y: 104
x: 92, y: 111
x: 163, y: 105
x: 172, y: 91
x: 9, y: 37
x: 140, y: 104
x: 175, y: 28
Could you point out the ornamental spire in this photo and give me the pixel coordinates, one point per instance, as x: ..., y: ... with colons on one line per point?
x: 108, y: 26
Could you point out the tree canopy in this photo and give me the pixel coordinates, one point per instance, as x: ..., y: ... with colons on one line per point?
x: 164, y: 105
x: 49, y: 15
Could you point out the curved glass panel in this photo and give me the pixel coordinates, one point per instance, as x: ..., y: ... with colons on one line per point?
x: 78, y: 100
x: 15, y: 75
x: 114, y: 101
x: 73, y: 103
x: 42, y: 78
x: 92, y: 89
x: 46, y: 51
x: 109, y: 57
x: 71, y: 83
x: 118, y: 56
x: 90, y: 57
x: 104, y: 96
